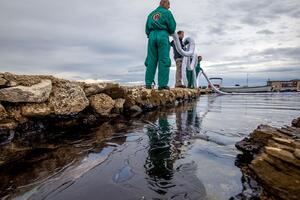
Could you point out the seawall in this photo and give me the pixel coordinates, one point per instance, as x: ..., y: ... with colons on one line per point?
x: 35, y: 103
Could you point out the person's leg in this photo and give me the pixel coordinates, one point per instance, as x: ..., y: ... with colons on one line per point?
x: 164, y: 61
x: 198, y: 69
x: 189, y: 77
x: 178, y: 77
x: 151, y: 60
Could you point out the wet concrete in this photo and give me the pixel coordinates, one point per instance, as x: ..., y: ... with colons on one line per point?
x: 182, y: 153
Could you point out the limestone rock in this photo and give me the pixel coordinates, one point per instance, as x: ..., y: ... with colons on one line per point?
x: 12, y: 84
x: 36, y: 93
x: 67, y: 98
x: 148, y: 99
x: 162, y: 97
x: 97, y: 88
x: 119, y: 105
x: 296, y: 122
x: 102, y: 104
x: 116, y: 91
x: 7, y: 133
x: 283, y: 155
x: 135, y: 109
x: 14, y: 112
x: 36, y: 110
x: 297, y: 153
x: 137, y: 96
x: 276, y: 163
x: 3, y: 113
x: 279, y: 180
x: 24, y: 80
x: 7, y: 125
x: 3, y: 82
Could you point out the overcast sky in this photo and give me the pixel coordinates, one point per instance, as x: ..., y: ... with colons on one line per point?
x: 105, y: 40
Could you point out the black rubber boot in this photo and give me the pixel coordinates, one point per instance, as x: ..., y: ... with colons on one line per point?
x: 164, y: 88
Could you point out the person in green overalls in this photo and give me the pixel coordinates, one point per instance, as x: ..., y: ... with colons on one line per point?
x: 190, y: 76
x: 160, y: 24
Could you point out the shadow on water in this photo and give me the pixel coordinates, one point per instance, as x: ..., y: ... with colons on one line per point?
x: 186, y: 152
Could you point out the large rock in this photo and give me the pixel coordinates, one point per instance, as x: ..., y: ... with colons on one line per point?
x: 36, y: 93
x: 149, y: 99
x: 137, y: 96
x: 67, y: 98
x: 24, y: 80
x: 7, y: 125
x: 3, y: 82
x: 36, y: 110
x: 14, y: 112
x: 296, y: 122
x: 102, y: 104
x: 116, y: 92
x: 163, y: 97
x: 119, y: 105
x: 97, y: 88
x: 3, y: 113
x: 275, y: 160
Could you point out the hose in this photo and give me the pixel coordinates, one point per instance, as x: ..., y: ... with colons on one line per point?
x: 189, y: 62
x: 212, y: 85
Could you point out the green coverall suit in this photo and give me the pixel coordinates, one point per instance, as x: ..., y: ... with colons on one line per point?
x: 160, y: 24
x: 190, y: 77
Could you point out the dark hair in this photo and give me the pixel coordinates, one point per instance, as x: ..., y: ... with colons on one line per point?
x: 180, y: 32
x: 199, y: 58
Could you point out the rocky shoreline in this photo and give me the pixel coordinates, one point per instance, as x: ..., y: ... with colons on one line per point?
x: 271, y: 157
x: 35, y: 103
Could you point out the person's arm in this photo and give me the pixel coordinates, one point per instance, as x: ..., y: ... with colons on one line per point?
x: 171, y: 23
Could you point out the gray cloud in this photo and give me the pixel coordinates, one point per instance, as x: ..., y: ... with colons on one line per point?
x: 265, y: 32
x: 218, y: 30
x: 291, y: 53
x: 100, y: 40
x: 266, y: 11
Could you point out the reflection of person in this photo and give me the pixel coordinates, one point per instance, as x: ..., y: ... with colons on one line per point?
x: 159, y: 164
x: 187, y: 123
x: 190, y: 75
x: 164, y: 149
x: 178, y: 59
x: 160, y: 24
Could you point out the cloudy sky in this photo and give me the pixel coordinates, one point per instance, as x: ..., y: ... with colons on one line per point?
x: 105, y: 40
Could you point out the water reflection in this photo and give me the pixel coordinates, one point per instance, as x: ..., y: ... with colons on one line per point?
x: 167, y: 178
x: 185, y: 152
x: 159, y: 163
x: 52, y: 156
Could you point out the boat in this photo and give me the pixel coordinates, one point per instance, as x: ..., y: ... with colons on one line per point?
x: 246, y: 89
x: 216, y: 81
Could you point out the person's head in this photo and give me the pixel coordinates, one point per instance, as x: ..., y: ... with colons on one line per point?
x: 199, y: 58
x: 165, y: 4
x: 180, y: 34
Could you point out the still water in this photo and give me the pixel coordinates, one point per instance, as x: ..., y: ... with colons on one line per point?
x: 185, y: 152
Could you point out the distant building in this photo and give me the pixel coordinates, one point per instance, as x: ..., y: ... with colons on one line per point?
x: 285, y: 86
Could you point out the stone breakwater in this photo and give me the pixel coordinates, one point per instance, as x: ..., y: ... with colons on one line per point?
x: 33, y: 103
x: 271, y: 157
